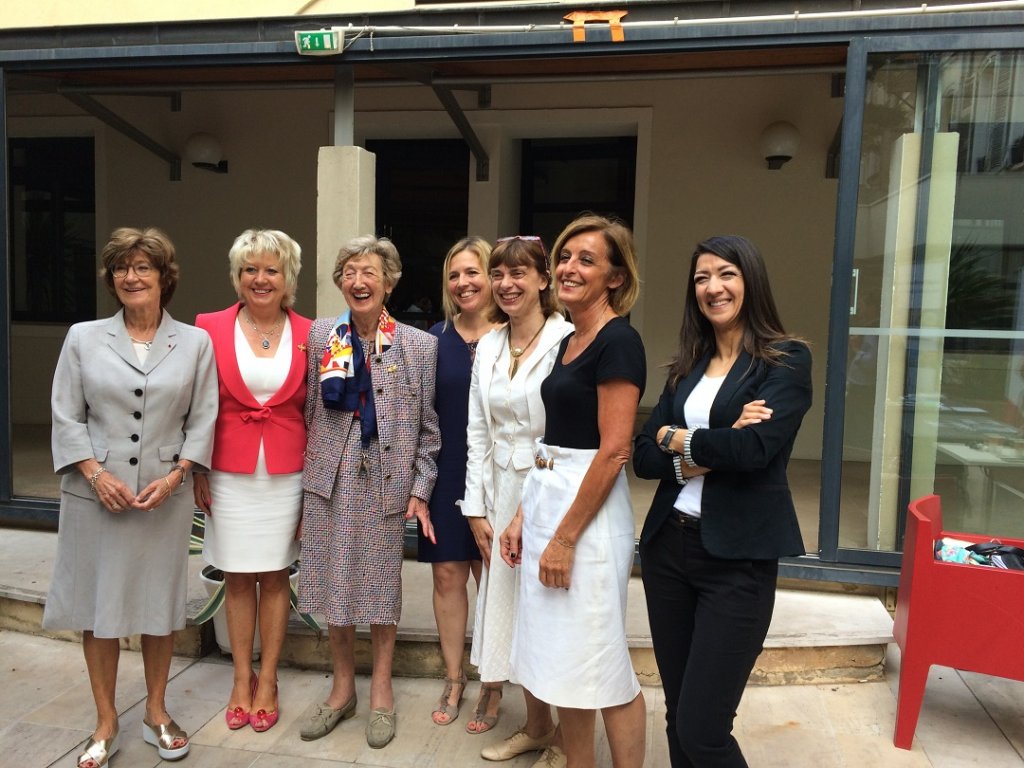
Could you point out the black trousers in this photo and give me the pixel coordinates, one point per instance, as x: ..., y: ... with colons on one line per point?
x: 709, y: 617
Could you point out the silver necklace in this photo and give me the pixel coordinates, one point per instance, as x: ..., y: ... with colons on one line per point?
x: 265, y: 334
x: 147, y: 344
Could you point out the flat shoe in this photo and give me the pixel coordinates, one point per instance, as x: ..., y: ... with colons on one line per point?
x: 484, y: 722
x: 552, y: 757
x: 323, y: 718
x: 99, y: 751
x: 449, y: 711
x: 163, y: 737
x: 381, y: 728
x: 516, y: 744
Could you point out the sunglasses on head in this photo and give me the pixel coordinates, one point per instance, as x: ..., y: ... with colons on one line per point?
x: 524, y: 238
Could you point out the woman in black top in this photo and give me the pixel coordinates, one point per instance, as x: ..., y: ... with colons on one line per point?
x: 574, y: 533
x: 719, y: 441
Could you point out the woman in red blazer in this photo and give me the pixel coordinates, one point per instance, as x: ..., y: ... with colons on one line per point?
x: 253, y: 495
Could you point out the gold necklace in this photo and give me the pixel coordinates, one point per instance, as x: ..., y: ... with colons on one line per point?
x: 517, y: 352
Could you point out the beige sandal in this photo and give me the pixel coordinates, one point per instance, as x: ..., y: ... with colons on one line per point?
x: 450, y: 712
x: 484, y: 721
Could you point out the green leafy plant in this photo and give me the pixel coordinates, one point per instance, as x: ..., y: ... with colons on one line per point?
x: 216, y: 601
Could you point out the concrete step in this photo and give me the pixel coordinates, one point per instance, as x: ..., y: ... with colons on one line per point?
x: 815, y: 636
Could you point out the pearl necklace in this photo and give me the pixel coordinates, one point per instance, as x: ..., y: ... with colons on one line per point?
x: 265, y: 334
x: 517, y: 352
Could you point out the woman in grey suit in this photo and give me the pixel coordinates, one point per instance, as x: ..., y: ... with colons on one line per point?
x: 372, y: 439
x: 134, y: 403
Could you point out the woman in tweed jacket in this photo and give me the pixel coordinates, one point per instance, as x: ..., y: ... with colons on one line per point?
x: 372, y: 441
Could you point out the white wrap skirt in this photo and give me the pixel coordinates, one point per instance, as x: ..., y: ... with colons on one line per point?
x: 569, y: 645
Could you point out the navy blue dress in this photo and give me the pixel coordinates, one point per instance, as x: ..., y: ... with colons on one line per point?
x: 455, y: 541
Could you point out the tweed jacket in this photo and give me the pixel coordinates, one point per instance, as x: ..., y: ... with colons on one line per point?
x: 747, y: 509
x: 136, y: 420
x: 403, y: 380
x: 242, y: 422
x: 478, y: 498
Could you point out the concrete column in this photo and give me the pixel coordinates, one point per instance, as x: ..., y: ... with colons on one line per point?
x: 345, y: 208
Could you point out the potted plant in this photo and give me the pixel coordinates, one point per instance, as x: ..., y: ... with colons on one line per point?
x: 213, y: 579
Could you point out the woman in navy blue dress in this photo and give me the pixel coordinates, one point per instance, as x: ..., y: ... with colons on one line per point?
x: 466, y: 298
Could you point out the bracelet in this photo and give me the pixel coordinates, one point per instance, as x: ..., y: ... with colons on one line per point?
x: 687, y: 454
x: 180, y: 469
x: 562, y: 541
x: 96, y: 476
x: 666, y: 441
x: 677, y: 465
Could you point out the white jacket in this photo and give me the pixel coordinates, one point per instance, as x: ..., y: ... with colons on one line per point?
x: 477, y: 499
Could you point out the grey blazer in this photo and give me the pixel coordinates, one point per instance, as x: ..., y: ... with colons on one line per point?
x: 404, y: 378
x: 136, y: 420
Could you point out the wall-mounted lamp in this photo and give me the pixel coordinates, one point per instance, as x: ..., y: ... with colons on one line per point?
x: 203, y: 151
x: 779, y: 142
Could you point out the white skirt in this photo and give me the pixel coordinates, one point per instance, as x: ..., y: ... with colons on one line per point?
x: 569, y: 646
x: 255, y: 517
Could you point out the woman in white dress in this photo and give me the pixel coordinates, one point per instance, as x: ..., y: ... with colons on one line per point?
x: 574, y: 533
x: 253, y: 495
x: 505, y: 417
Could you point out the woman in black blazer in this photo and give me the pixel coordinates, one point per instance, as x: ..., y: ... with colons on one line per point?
x: 719, y: 441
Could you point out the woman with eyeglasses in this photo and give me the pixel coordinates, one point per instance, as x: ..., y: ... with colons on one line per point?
x: 252, y: 498
x: 506, y: 415
x: 134, y: 403
x: 574, y: 533
x: 372, y: 439
x: 466, y: 299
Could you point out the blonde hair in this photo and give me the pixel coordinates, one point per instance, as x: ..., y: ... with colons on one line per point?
x: 254, y: 242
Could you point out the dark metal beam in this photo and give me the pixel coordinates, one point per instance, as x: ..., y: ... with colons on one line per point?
x: 447, y: 99
x: 6, y: 437
x: 121, y: 125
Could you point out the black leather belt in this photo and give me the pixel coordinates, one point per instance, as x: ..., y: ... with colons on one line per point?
x: 687, y: 521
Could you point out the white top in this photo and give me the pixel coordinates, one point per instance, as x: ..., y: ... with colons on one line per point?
x: 264, y: 376
x: 697, y: 410
x: 142, y: 350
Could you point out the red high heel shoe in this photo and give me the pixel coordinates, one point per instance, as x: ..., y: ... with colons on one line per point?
x: 238, y: 717
x: 261, y: 720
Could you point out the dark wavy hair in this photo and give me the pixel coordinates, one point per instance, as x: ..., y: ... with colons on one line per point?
x: 517, y: 252
x: 762, y: 328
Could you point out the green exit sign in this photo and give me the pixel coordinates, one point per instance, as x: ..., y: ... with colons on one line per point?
x: 321, y: 42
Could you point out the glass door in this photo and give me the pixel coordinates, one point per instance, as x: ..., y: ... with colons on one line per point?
x: 930, y: 249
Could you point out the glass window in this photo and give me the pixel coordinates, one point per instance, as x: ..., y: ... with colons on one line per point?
x: 935, y: 365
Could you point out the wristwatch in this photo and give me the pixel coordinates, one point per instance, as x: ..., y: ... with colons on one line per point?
x: 666, y: 441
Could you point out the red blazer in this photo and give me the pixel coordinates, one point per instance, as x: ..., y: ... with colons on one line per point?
x: 242, y: 422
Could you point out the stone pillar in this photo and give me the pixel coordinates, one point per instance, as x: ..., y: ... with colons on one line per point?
x: 345, y: 208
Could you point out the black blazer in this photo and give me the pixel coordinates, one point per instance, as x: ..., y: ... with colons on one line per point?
x: 746, y: 508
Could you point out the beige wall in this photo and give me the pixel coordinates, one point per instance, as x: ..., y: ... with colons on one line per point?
x: 699, y: 174
x: 46, y: 13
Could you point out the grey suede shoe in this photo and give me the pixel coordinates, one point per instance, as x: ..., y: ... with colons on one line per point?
x: 381, y: 728
x: 321, y: 719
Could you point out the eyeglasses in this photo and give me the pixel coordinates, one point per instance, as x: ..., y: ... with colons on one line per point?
x: 524, y: 238
x: 142, y: 269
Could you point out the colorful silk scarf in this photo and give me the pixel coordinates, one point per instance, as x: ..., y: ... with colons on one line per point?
x: 345, y: 377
